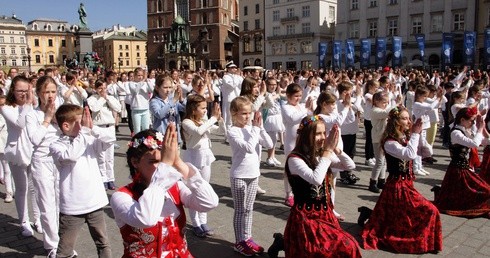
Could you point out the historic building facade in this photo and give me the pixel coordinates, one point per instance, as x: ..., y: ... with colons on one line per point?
x: 252, y: 36
x: 209, y: 28
x: 13, y: 43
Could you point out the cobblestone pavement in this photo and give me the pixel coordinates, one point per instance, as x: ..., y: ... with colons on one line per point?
x: 462, y: 237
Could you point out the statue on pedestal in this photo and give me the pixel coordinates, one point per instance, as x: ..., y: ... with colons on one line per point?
x: 82, y: 15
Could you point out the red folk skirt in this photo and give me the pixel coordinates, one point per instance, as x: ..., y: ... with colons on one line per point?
x: 485, y: 165
x: 403, y: 221
x: 463, y: 193
x: 317, y: 233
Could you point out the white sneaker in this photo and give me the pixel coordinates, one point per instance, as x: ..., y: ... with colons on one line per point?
x: 270, y: 162
x: 260, y: 190
x: 419, y: 173
x: 424, y: 171
x: 27, y: 229
x: 370, y: 162
x: 37, y: 227
x: 278, y: 163
x: 52, y: 253
x: 9, y: 197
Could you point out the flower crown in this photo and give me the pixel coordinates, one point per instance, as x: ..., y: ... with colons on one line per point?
x: 149, y: 141
x: 395, y: 112
x: 307, y: 121
x: 471, y: 112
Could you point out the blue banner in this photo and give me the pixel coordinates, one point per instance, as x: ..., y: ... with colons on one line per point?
x: 322, y: 53
x: 487, y: 48
x: 337, y: 53
x: 469, y: 47
x: 349, y: 53
x: 365, y: 53
x: 421, y: 43
x: 397, y: 60
x: 447, y: 49
x: 380, y: 52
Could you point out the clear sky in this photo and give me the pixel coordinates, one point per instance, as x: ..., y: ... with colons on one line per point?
x: 100, y: 13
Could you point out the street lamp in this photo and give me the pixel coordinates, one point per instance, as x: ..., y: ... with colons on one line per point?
x: 120, y: 61
x: 29, y: 58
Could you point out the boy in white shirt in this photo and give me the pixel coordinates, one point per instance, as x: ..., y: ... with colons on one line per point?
x: 82, y: 194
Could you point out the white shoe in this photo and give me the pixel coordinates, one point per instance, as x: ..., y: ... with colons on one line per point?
x: 278, y: 163
x: 419, y: 173
x: 270, y: 162
x: 27, y: 229
x: 424, y: 171
x: 75, y: 254
x: 9, y: 197
x: 52, y: 253
x: 37, y: 227
x: 260, y: 190
x: 370, y: 162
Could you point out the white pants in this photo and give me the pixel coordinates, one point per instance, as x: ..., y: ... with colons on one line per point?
x: 6, y: 174
x: 23, y: 183
x: 46, y: 182
x: 105, y: 159
x: 199, y: 218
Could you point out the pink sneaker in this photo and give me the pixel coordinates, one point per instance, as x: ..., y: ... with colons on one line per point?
x: 243, y: 248
x: 255, y: 247
x: 289, y: 201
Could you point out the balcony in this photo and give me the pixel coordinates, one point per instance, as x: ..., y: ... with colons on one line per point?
x: 292, y: 36
x: 290, y: 19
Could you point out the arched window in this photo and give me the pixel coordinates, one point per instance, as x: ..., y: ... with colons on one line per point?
x: 246, y: 62
x: 35, y: 26
x: 48, y: 27
x: 258, y: 62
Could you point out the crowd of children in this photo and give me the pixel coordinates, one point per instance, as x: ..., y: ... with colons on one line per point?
x: 58, y: 132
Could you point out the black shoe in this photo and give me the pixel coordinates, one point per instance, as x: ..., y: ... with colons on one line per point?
x: 381, y: 183
x: 428, y: 160
x: 277, y: 245
x: 117, y: 129
x: 436, y: 189
x: 372, y: 186
x: 364, y: 215
x: 281, y: 147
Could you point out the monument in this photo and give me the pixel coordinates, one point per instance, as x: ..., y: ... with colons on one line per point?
x: 83, y: 37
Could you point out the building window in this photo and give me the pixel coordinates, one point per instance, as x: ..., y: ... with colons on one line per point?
x: 459, y: 21
x: 137, y: 54
x: 48, y: 27
x: 257, y: 8
x: 306, y: 11
x: 331, y: 13
x: 137, y: 47
x: 14, y: 62
x: 50, y: 42
x: 372, y: 29
x: 275, y: 1
x: 416, y: 25
x: 245, y: 10
x: 2, y: 50
x: 436, y: 23
x: 38, y: 59
x: 12, y: 51
x: 257, y: 24
x: 354, y: 30
x: 354, y: 4
x: 127, y: 47
x: 1, y: 39
x: 36, y: 42
x: 276, y: 65
x: 373, y: 3
x: 392, y: 27
x: 205, y: 48
x: 22, y: 40
x: 120, y: 47
x: 127, y: 54
x: 290, y: 12
x: 51, y: 59
x: 258, y: 43
x: 120, y: 54
x: 306, y: 64
x: 35, y: 27
x: 276, y: 30
x: 63, y: 43
x: 246, y: 44
x: 275, y: 15
x: 245, y: 25
x: 12, y: 40
x: 138, y: 62
x: 392, y: 2
x: 22, y: 51
x: 290, y: 29
x: 305, y: 27
x: 4, y: 62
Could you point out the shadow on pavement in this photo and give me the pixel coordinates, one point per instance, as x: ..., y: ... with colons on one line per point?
x: 11, y: 238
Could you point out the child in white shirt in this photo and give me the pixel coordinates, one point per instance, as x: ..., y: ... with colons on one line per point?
x: 82, y: 194
x: 245, y: 141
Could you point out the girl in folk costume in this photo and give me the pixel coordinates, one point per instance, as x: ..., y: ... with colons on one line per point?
x: 312, y: 230
x: 150, y: 211
x: 42, y: 131
x: 292, y: 113
x: 464, y: 193
x: 196, y: 132
x: 18, y: 151
x: 485, y: 165
x: 402, y: 221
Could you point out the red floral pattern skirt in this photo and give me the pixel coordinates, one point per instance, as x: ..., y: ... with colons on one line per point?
x: 463, y: 193
x: 485, y: 165
x: 313, y: 233
x: 403, y: 221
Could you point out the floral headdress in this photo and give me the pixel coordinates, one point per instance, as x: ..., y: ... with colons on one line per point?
x: 470, y: 112
x: 306, y: 121
x: 395, y: 112
x: 149, y: 141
